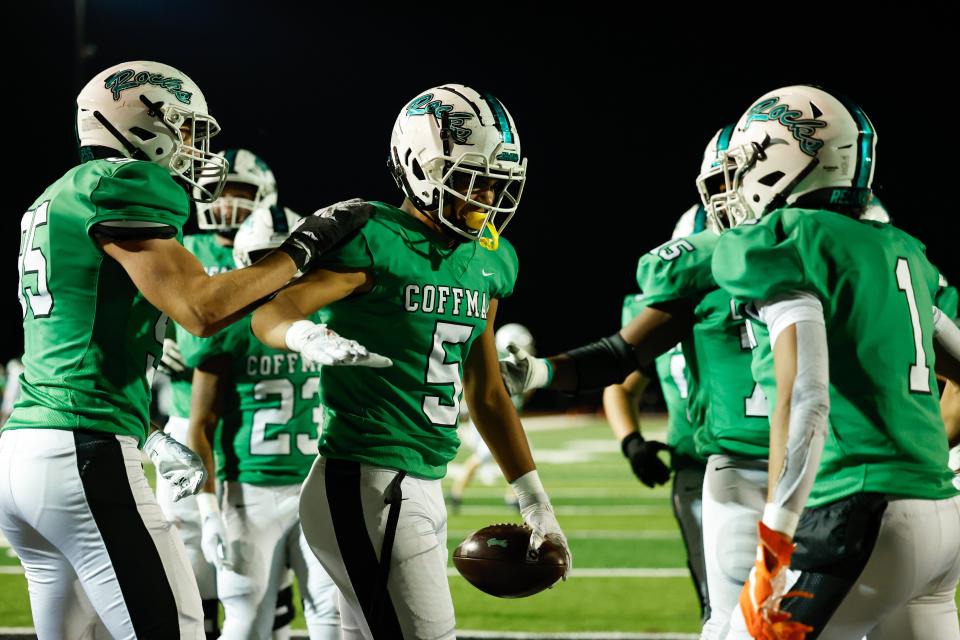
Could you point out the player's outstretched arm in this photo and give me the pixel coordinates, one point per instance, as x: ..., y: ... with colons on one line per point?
x: 604, y: 362
x: 174, y: 281
x: 282, y: 323
x: 620, y: 406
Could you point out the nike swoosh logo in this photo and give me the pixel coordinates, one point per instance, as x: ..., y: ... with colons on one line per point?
x: 486, y: 273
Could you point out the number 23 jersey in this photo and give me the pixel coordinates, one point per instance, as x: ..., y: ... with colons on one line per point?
x: 428, y: 304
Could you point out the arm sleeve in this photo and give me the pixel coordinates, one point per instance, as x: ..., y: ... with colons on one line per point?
x: 809, y: 406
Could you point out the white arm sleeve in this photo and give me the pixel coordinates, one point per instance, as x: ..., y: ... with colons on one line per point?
x: 946, y: 333
x: 809, y: 406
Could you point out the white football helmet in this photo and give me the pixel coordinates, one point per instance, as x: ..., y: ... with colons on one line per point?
x: 443, y: 141
x: 245, y: 168
x: 517, y: 334
x: 264, y: 230
x: 796, y: 142
x: 143, y: 110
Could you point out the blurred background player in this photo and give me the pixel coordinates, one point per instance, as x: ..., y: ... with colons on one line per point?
x: 419, y: 283
x: 249, y: 184
x: 266, y: 404
x: 620, y: 404
x: 481, y: 461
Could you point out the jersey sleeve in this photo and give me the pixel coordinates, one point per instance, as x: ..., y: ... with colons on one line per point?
x: 506, y: 265
x: 759, y: 261
x: 677, y: 270
x: 137, y: 199
x: 947, y: 298
x: 633, y: 304
x: 353, y: 254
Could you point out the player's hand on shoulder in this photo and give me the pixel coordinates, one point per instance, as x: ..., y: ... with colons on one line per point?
x: 317, y: 343
x: 317, y: 234
x: 176, y: 463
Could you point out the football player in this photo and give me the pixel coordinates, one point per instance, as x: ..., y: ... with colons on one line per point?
x: 249, y: 184
x: 682, y: 303
x: 620, y: 403
x: 420, y: 283
x: 845, y: 308
x: 101, y: 267
x: 264, y: 448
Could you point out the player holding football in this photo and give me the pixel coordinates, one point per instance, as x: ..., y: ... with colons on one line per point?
x: 420, y: 284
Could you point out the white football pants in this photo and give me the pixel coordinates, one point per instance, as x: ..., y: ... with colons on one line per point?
x: 77, y: 508
x: 263, y: 531
x: 344, y: 516
x: 734, y: 494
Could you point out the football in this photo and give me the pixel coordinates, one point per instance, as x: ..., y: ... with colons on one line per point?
x: 494, y: 560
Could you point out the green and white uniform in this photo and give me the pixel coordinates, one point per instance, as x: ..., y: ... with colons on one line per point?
x: 263, y: 448
x: 885, y: 445
x: 74, y: 500
x: 428, y: 304
x: 726, y: 407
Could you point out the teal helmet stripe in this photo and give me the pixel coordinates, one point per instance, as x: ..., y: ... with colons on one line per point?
x: 231, y: 157
x: 865, y: 143
x: 500, y: 118
x: 279, y: 219
x: 700, y: 219
x: 723, y: 140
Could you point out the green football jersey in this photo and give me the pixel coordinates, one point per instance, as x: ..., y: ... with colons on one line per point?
x: 91, y: 339
x: 672, y: 373
x: 726, y: 407
x: 215, y: 259
x: 428, y: 304
x: 270, y: 417
x: 877, y: 289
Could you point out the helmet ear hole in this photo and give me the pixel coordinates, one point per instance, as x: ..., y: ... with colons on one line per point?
x: 142, y: 133
x: 771, y: 178
x: 417, y: 170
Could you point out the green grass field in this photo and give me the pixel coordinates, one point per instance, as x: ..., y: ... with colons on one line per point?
x: 612, y: 521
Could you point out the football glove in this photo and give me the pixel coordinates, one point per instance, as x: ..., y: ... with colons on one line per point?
x: 522, y: 372
x: 176, y: 464
x: 213, y: 535
x: 537, y: 513
x: 320, y: 232
x: 171, y: 362
x: 765, y: 588
x: 646, y: 464
x: 317, y: 343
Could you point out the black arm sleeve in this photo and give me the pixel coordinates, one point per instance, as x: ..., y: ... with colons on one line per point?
x: 604, y: 362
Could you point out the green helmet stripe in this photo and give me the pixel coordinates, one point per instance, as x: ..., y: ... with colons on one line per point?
x: 500, y: 118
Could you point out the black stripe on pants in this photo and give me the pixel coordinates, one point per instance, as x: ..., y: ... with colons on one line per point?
x: 136, y: 562
x: 342, y: 479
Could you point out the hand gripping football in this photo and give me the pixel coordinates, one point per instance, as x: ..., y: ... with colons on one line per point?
x: 494, y: 560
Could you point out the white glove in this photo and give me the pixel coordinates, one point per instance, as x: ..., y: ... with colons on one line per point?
x: 176, y: 463
x: 317, y: 343
x: 171, y: 362
x: 521, y: 371
x: 213, y: 535
x: 538, y: 514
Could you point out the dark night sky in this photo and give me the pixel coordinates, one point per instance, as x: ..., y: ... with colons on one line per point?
x: 613, y: 111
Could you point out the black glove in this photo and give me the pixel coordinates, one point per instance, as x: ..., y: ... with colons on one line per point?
x: 643, y: 458
x: 317, y: 234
